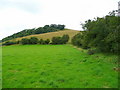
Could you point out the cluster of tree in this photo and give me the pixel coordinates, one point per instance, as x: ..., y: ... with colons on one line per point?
x: 55, y: 40
x: 40, y: 30
x: 34, y: 40
x: 9, y: 43
x: 100, y: 33
x: 60, y: 40
x: 44, y: 41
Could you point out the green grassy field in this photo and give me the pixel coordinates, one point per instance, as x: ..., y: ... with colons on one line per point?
x: 56, y: 66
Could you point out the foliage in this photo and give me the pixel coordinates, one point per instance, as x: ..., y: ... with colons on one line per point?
x: 41, y: 41
x: 47, y: 41
x: 9, y: 43
x: 60, y: 40
x: 25, y: 41
x: 56, y: 40
x: 65, y: 38
x: 76, y: 40
x: 18, y: 42
x: 40, y: 30
x: 101, y: 33
x: 80, y: 40
x: 60, y: 27
x: 33, y: 40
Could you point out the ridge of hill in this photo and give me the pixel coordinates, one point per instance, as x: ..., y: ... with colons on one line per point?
x: 49, y: 35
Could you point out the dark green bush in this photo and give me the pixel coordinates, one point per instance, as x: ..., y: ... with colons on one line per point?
x: 64, y: 39
x: 47, y: 41
x: 56, y: 40
x: 60, y: 40
x: 33, y: 40
x: 41, y: 41
x: 18, y: 42
x: 100, y: 33
x: 9, y: 43
x: 25, y: 41
x: 76, y: 40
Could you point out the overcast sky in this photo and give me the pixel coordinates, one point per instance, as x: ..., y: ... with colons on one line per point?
x: 17, y: 15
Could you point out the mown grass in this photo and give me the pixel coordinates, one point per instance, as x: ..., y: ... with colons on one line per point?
x: 56, y: 66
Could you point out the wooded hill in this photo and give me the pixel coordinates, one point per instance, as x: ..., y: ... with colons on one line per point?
x: 50, y: 35
x: 40, y: 30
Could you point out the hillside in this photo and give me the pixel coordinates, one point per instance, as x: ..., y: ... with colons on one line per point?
x: 49, y: 35
x: 39, y: 30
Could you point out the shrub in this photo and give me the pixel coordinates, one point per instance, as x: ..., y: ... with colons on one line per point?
x: 25, y: 41
x: 47, y: 41
x: 65, y: 39
x: 18, y: 42
x: 41, y: 41
x: 77, y: 40
x: 60, y: 40
x: 33, y: 40
x: 9, y: 43
x: 56, y: 40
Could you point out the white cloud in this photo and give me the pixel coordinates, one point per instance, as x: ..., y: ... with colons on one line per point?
x: 16, y: 15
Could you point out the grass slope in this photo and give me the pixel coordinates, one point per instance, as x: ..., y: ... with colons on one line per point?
x: 49, y: 35
x: 56, y: 66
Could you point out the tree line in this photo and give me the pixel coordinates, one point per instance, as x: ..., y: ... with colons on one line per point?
x: 40, y: 30
x: 100, y: 33
x: 33, y: 40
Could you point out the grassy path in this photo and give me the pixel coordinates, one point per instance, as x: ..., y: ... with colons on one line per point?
x: 56, y: 66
